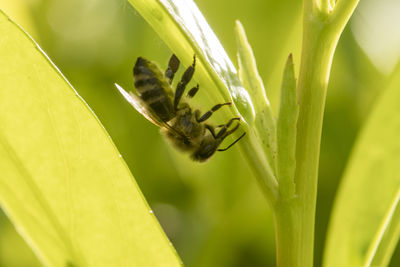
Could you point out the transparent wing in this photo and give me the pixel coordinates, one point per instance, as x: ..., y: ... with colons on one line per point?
x: 140, y: 106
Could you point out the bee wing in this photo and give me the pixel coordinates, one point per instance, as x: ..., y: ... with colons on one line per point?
x: 140, y: 106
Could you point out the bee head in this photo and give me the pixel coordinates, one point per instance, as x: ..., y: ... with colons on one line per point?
x: 207, y: 148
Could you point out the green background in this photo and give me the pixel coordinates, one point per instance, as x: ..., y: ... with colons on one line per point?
x: 213, y: 213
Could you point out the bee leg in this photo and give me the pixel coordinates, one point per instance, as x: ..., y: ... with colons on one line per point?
x: 180, y: 88
x: 212, y: 130
x: 229, y: 122
x: 234, y: 142
x: 224, y: 131
x: 193, y: 91
x: 173, y: 66
x: 208, y: 114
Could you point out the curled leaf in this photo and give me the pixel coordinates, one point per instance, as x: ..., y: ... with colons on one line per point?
x: 184, y: 29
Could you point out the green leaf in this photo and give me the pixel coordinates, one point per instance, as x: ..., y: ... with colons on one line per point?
x: 248, y: 73
x: 184, y: 29
x: 365, y: 224
x: 63, y: 183
x: 386, y: 238
x: 286, y: 131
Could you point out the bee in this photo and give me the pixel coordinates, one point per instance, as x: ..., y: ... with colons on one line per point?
x: 185, y: 128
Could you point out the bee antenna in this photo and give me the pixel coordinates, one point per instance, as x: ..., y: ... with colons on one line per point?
x: 224, y: 149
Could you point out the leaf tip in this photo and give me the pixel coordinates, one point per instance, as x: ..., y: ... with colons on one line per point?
x: 240, y: 34
x: 289, y: 68
x: 238, y: 25
x: 289, y: 61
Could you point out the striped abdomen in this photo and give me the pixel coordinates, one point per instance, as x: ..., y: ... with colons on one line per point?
x: 153, y: 89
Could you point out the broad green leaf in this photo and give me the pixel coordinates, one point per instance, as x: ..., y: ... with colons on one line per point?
x: 365, y: 224
x: 286, y: 130
x: 63, y: 183
x: 184, y: 29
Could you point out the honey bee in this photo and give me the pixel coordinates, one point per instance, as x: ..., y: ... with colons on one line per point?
x: 184, y: 127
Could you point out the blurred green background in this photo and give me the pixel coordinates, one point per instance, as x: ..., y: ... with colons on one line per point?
x: 213, y: 213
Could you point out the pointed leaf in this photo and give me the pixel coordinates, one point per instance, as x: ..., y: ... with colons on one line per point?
x: 248, y: 73
x: 286, y: 130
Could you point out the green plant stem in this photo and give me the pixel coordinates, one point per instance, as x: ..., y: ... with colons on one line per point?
x: 300, y: 212
x: 295, y: 218
x: 287, y: 234
x: 313, y: 79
